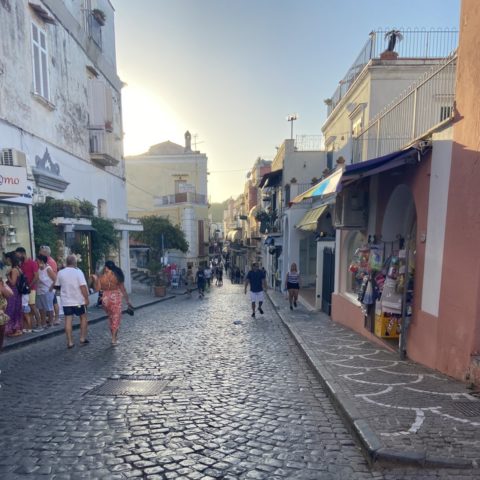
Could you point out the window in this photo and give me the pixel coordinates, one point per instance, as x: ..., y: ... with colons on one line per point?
x: 40, y: 62
x: 330, y: 159
x: 180, y: 186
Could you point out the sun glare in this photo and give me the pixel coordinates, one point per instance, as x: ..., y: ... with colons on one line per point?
x: 147, y: 120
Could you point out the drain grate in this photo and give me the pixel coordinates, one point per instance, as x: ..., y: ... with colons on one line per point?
x: 119, y: 387
x: 468, y: 409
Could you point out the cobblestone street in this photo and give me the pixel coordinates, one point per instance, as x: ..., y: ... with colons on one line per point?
x: 236, y: 400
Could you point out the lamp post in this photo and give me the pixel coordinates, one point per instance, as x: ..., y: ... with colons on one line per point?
x: 291, y: 118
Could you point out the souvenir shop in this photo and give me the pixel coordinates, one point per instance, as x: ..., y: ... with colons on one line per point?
x: 382, y: 278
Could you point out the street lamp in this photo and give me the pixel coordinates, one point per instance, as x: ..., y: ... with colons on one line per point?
x: 291, y: 118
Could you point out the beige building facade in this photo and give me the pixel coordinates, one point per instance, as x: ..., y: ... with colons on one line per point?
x: 170, y: 181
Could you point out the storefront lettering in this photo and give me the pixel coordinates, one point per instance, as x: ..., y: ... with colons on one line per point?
x: 9, y: 180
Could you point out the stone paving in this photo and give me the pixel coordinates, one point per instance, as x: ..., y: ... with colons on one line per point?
x: 236, y: 400
x: 402, y: 410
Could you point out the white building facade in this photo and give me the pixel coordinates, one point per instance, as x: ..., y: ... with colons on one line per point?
x: 60, y: 106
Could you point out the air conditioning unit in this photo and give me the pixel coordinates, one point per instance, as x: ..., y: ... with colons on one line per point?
x: 12, y: 157
x: 351, y: 208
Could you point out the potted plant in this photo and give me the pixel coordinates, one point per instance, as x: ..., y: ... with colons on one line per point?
x: 99, y: 16
x: 293, y: 180
x: 158, y: 277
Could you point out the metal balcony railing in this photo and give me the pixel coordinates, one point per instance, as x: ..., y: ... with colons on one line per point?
x: 185, y: 197
x: 420, y: 108
x: 416, y: 43
x: 308, y: 143
x: 102, y: 147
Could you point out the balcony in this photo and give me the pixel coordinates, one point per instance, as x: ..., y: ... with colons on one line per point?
x: 185, y: 197
x: 421, y: 108
x: 309, y: 143
x: 416, y: 44
x: 102, y: 148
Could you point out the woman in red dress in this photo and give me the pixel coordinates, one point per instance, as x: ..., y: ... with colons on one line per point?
x: 110, y: 282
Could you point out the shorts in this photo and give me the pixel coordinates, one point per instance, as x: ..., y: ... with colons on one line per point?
x: 293, y: 286
x: 45, y: 301
x: 25, y: 299
x: 256, y: 296
x: 77, y: 310
x: 32, y: 297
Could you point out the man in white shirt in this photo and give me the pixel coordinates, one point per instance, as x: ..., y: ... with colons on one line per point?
x: 74, y: 295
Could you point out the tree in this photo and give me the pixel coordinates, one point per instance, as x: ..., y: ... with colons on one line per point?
x: 154, y: 229
x: 104, y: 239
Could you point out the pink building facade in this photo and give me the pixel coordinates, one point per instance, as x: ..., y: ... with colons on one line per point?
x: 429, y: 205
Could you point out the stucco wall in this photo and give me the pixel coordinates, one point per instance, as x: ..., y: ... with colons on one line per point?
x: 63, y: 123
x: 459, y: 312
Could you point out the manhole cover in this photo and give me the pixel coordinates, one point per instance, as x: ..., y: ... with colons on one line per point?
x: 118, y: 387
x: 468, y: 409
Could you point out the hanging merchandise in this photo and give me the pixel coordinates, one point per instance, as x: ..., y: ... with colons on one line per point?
x: 375, y: 260
x: 391, y: 299
x: 368, y: 296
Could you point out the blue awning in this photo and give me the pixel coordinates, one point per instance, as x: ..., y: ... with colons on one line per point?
x: 359, y: 170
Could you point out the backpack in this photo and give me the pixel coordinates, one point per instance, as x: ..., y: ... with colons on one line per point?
x: 22, y: 285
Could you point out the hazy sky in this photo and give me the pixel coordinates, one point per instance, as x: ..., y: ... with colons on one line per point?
x: 230, y: 71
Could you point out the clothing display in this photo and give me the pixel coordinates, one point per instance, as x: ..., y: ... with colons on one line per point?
x: 380, y: 286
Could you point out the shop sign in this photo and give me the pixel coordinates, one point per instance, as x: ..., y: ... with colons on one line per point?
x: 13, y: 180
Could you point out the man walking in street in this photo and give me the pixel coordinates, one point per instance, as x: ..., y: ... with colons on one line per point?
x: 258, y: 284
x: 74, y: 295
x: 45, y: 250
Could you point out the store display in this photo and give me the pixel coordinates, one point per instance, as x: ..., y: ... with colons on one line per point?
x: 382, y: 283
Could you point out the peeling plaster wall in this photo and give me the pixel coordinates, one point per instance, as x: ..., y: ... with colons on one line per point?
x: 32, y: 125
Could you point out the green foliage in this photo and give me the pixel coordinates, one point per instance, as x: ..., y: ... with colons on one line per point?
x: 153, y: 229
x: 104, y: 239
x: 46, y: 233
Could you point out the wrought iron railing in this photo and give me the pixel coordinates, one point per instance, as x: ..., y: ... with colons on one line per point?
x: 101, y: 142
x: 416, y: 43
x: 185, y: 197
x: 423, y: 106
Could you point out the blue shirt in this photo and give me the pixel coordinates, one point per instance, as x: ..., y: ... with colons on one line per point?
x: 255, y: 278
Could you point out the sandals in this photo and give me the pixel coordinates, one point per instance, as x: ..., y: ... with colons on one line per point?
x: 71, y: 346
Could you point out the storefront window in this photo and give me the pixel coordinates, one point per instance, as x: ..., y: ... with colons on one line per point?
x: 14, y: 227
x: 353, y: 281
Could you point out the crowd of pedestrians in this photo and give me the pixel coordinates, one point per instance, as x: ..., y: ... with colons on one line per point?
x: 31, y: 290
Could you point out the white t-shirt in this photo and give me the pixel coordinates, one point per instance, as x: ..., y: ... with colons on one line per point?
x: 70, y: 280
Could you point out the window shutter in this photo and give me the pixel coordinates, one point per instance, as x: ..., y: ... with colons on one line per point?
x: 96, y: 104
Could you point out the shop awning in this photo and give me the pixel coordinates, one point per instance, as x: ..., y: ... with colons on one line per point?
x: 309, y: 222
x: 271, y: 179
x: 324, y: 187
x: 378, y: 165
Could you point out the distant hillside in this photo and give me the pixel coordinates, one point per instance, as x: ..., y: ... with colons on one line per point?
x: 216, y: 209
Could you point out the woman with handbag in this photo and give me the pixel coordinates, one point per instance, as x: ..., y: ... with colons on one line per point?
x: 14, y: 309
x: 110, y: 282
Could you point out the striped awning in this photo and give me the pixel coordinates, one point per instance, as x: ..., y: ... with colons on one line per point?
x: 326, y: 186
x: 309, y: 221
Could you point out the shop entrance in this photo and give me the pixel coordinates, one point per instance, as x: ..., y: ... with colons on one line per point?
x: 393, y: 309
x: 383, y: 269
